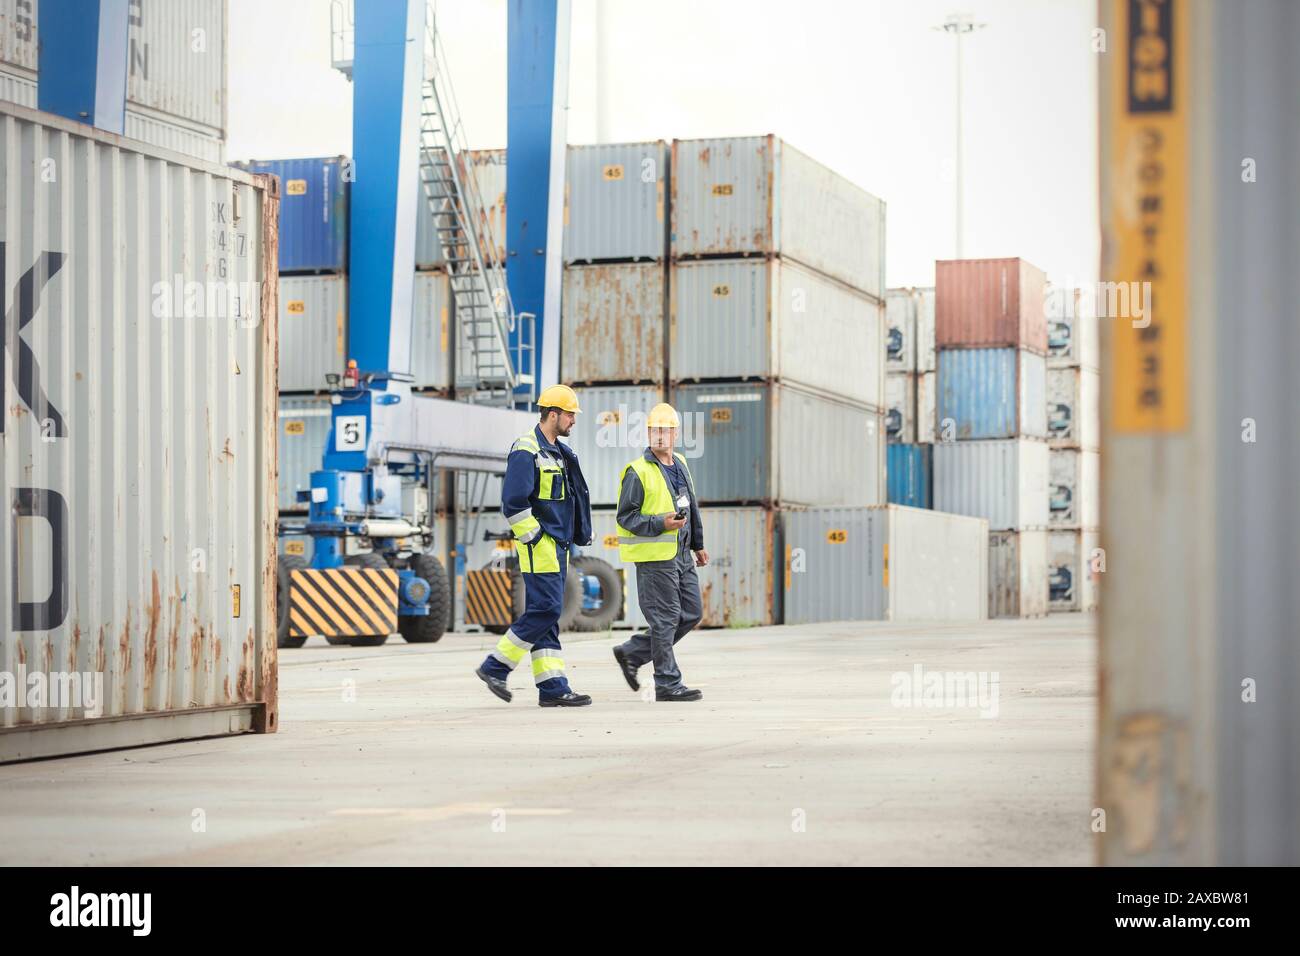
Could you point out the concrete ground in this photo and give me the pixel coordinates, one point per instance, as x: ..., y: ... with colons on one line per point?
x: 796, y: 755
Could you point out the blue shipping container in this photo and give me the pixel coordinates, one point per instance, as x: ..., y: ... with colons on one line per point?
x: 991, y: 393
x: 313, y: 212
x: 909, y: 470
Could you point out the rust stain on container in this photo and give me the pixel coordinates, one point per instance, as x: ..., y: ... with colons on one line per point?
x: 990, y: 303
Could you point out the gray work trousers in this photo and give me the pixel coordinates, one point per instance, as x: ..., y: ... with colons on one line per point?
x: 669, y: 595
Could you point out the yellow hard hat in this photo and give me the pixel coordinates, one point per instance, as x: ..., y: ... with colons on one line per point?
x: 663, y: 415
x: 559, y: 396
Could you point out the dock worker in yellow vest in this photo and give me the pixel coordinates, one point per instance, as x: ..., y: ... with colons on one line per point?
x: 659, y: 530
x: 545, y: 499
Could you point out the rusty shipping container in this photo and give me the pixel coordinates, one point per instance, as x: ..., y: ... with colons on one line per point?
x: 989, y: 303
x: 774, y: 319
x: 757, y: 195
x: 139, y: 444
x: 741, y: 584
x: 1018, y: 574
x: 612, y: 320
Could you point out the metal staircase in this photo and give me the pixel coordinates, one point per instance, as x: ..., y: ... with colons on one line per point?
x: 488, y: 367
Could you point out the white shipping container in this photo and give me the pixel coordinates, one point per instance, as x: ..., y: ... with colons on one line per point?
x: 740, y: 586
x: 1004, y: 481
x: 610, y: 432
x: 313, y: 330
x: 431, y: 331
x: 1074, y: 488
x: 775, y: 319
x: 1018, y: 573
x: 885, y: 563
x: 758, y: 195
x: 1073, y: 570
x: 900, y: 336
x: 19, y: 33
x: 304, y: 422
x: 1072, y: 329
x: 17, y: 88
x: 169, y: 135
x: 1073, y: 412
x: 925, y: 358
x: 604, y: 545
x: 176, y: 59
x: 138, y: 442
x: 900, y: 407
x: 779, y: 444
x: 615, y: 202
x: 925, y: 391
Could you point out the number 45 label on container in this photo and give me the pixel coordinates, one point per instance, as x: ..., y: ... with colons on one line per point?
x: 350, y: 433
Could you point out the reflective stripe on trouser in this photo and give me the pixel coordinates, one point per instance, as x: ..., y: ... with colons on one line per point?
x: 669, y: 595
x: 536, y: 630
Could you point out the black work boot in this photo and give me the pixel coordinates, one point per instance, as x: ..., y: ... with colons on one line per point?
x: 495, y: 684
x: 564, y: 700
x: 627, y: 667
x: 680, y: 694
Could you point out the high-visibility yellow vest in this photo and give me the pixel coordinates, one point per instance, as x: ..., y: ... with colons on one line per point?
x: 535, y: 549
x: 658, y: 500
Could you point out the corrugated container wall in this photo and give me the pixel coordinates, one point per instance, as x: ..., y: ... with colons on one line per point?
x: 615, y: 202
x: 909, y: 470
x: 900, y: 339
x: 926, y: 384
x: 19, y: 36
x: 168, y: 135
x: 1003, y: 481
x: 756, y: 195
x: 313, y: 330
x: 611, y: 431
x: 900, y: 407
x: 1072, y: 331
x: 883, y: 564
x: 1073, y: 409
x: 775, y: 319
x: 176, y: 59
x: 925, y: 346
x: 741, y: 584
x: 776, y: 444
x: 432, y: 334
x: 139, y: 462
x: 1018, y: 573
x: 604, y: 545
x: 304, y: 431
x: 17, y: 89
x: 991, y: 393
x: 1074, y: 493
x: 1071, y: 580
x: 612, y: 323
x: 989, y: 303
x: 313, y: 211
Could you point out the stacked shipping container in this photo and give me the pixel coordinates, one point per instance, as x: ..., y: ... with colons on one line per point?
x: 176, y: 70
x: 991, y: 458
x: 909, y: 396
x: 1074, y: 429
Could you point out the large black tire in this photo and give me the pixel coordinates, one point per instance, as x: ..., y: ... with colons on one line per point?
x: 571, y: 609
x: 516, y: 595
x: 283, y: 566
x: 375, y: 562
x: 600, y: 618
x: 429, y: 628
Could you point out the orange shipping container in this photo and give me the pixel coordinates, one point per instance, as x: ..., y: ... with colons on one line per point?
x: 990, y: 303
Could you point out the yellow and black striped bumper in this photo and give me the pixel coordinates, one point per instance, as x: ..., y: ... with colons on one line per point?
x: 343, y: 602
x: 488, y: 598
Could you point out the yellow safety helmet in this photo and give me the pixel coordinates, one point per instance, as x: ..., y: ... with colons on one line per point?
x: 663, y: 415
x: 559, y: 396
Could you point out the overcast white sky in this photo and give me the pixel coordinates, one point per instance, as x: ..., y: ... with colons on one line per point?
x: 863, y: 86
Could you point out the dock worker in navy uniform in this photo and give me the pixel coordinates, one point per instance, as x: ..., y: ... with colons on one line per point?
x: 659, y: 530
x: 545, y: 499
